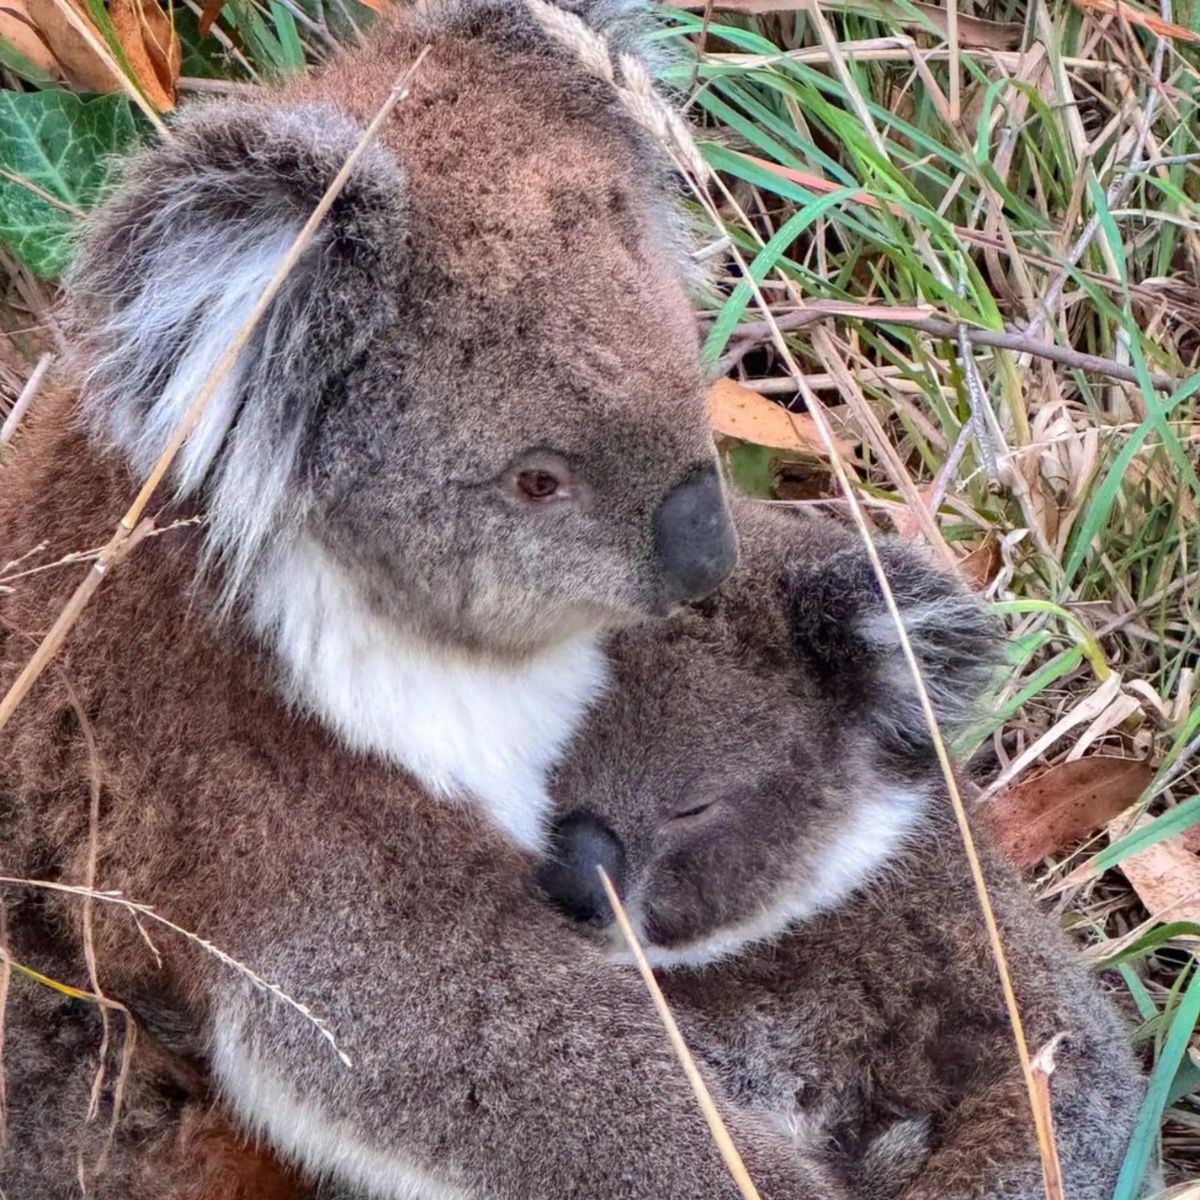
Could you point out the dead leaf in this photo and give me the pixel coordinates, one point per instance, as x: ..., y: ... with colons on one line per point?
x: 1122, y: 10
x: 79, y: 62
x: 147, y: 39
x: 211, y: 11
x: 738, y: 412
x: 1053, y: 810
x: 979, y: 567
x: 18, y: 30
x: 1166, y: 876
x: 150, y: 45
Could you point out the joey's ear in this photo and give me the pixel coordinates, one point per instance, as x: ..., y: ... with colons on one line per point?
x: 174, y: 262
x: 842, y: 631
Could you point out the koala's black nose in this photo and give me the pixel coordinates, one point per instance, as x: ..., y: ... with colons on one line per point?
x: 579, y: 844
x: 694, y: 536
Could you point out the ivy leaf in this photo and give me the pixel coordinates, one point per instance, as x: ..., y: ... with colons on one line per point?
x: 63, y: 144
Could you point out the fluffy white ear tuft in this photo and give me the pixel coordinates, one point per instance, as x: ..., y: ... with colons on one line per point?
x: 842, y: 629
x: 173, y: 265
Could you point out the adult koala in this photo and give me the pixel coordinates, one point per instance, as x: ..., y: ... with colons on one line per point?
x: 468, y: 435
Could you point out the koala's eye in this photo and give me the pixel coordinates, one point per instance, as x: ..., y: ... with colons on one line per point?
x: 538, y: 485
x: 694, y: 812
x: 541, y: 477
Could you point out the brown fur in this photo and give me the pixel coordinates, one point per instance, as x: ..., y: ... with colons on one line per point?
x: 502, y: 281
x: 492, y: 1048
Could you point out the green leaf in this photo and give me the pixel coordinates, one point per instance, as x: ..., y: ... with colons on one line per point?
x: 752, y: 469
x: 63, y: 144
x: 1185, y: 1083
x: 18, y: 64
x: 1160, y: 935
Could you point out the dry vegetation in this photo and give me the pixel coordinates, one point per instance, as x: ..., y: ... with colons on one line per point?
x: 978, y: 230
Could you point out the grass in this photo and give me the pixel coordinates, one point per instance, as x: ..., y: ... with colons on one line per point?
x: 1031, y: 176
x: 1056, y: 200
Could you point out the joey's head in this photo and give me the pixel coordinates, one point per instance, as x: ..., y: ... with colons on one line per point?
x: 757, y: 762
x: 475, y: 404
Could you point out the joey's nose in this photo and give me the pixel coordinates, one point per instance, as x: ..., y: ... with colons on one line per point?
x: 694, y: 537
x: 579, y: 844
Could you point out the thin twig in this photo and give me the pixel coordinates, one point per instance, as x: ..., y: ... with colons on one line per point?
x: 25, y: 399
x: 124, y: 538
x: 41, y: 193
x: 756, y: 332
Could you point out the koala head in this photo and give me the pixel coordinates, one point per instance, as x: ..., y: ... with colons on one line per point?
x: 757, y: 762
x: 477, y: 396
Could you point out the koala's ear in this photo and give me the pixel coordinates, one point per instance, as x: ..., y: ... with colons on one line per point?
x: 843, y: 633
x: 172, y: 265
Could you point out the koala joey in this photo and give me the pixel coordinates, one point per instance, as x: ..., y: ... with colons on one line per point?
x: 763, y: 792
x: 468, y: 435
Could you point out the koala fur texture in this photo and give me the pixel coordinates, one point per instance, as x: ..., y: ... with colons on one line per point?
x: 468, y: 436
x: 765, y: 795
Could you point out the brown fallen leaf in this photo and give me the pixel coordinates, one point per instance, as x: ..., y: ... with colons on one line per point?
x: 18, y: 30
x: 738, y: 412
x: 147, y: 39
x: 79, y: 62
x: 1166, y: 876
x: 151, y: 47
x: 1053, y: 810
x: 210, y: 12
x: 979, y: 567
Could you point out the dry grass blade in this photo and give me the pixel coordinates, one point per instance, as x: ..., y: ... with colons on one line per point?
x: 137, y: 910
x: 25, y: 399
x: 1043, y: 1068
x: 720, y: 1135
x: 124, y: 538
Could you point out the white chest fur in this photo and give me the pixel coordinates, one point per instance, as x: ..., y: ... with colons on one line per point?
x: 464, y: 727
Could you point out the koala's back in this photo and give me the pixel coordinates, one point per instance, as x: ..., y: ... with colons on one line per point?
x: 890, y: 1009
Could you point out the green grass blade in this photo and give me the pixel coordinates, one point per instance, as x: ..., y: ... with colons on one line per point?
x: 1145, y: 1134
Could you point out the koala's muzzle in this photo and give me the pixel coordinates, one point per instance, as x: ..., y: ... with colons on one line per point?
x: 694, y: 537
x: 581, y: 842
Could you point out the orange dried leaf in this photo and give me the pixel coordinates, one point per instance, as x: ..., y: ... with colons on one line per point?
x: 151, y: 48
x: 147, y: 40
x: 18, y: 30
x: 210, y: 12
x: 83, y: 68
x: 1053, y: 810
x: 738, y: 412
